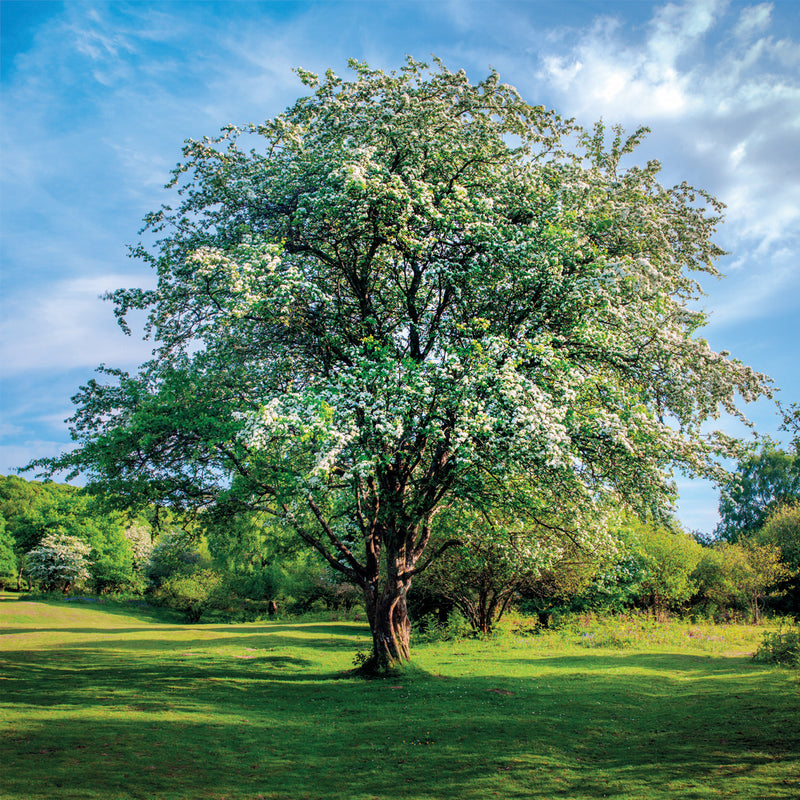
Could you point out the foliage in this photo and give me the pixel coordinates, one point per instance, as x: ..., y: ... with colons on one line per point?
x: 176, y: 552
x: 408, y: 289
x: 140, y: 542
x: 192, y: 592
x: 651, y: 569
x: 140, y: 539
x: 454, y: 627
x: 782, y: 530
x: 762, y: 481
x: 305, y: 589
x: 791, y: 424
x: 741, y: 574
x: 8, y: 559
x: 667, y: 560
x: 33, y: 510
x: 59, y: 562
x: 559, y: 586
x: 779, y: 647
x: 488, y: 559
x: 256, y: 553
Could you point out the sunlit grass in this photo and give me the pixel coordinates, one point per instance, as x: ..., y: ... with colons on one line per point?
x: 101, y: 703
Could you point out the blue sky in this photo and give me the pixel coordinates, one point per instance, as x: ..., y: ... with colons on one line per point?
x: 97, y: 99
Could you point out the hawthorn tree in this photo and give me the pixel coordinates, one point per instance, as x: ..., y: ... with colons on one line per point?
x: 59, y: 562
x: 404, y: 290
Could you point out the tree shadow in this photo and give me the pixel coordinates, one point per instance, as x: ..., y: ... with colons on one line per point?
x: 587, y: 726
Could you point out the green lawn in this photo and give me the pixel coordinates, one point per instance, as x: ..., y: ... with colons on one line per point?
x: 98, y: 703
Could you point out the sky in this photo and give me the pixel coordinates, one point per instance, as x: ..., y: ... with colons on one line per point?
x: 96, y: 100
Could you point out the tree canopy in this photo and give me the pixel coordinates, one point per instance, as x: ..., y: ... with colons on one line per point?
x: 409, y: 289
x: 762, y: 482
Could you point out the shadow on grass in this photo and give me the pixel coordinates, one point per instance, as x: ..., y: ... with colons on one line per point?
x: 352, y: 630
x: 96, y: 724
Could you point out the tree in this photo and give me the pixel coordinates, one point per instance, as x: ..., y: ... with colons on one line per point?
x: 408, y: 289
x: 791, y: 423
x: 59, y: 562
x: 782, y: 530
x: 651, y: 568
x: 33, y: 510
x: 176, y: 552
x: 140, y: 542
x: 762, y: 481
x: 668, y: 559
x: 741, y: 573
x: 8, y: 559
x: 492, y: 559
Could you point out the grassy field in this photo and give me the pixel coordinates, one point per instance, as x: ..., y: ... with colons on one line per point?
x: 102, y: 703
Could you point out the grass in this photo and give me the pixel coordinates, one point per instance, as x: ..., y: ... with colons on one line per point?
x: 104, y: 703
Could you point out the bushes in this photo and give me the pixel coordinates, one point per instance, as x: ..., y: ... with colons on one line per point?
x: 193, y: 593
x: 780, y: 648
x: 8, y: 559
x: 741, y: 575
x: 306, y: 589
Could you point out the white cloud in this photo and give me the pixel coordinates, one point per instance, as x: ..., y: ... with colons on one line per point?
x: 753, y: 20
x: 711, y: 82
x: 7, y: 429
x: 67, y: 327
x: 675, y: 29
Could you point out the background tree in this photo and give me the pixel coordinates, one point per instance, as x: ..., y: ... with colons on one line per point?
x: 176, y: 552
x: 782, y: 530
x: 668, y: 559
x: 59, y: 562
x: 488, y: 560
x: 762, y: 481
x: 650, y: 567
x: 8, y: 558
x: 140, y: 541
x: 34, y: 510
x: 741, y: 574
x: 791, y: 423
x: 18, y: 501
x: 408, y: 289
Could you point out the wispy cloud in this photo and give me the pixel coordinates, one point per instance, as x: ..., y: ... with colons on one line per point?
x: 67, y: 327
x: 712, y: 82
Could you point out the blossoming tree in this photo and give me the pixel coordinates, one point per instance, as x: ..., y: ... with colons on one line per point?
x: 408, y: 290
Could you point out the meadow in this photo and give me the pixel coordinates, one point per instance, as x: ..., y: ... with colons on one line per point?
x: 104, y: 702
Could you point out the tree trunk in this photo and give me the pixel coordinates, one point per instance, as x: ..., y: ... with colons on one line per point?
x: 387, y: 613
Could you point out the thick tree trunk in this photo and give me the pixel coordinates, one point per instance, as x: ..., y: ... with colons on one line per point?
x: 387, y: 613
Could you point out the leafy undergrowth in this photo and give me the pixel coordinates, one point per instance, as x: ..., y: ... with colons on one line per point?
x: 105, y: 706
x: 640, y: 630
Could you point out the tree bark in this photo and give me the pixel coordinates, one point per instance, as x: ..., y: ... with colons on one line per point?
x: 387, y: 613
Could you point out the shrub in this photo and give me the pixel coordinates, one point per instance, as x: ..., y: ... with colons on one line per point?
x: 780, y: 648
x: 740, y: 575
x: 782, y: 530
x: 430, y: 629
x: 193, y: 593
x: 8, y: 559
x: 174, y: 553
